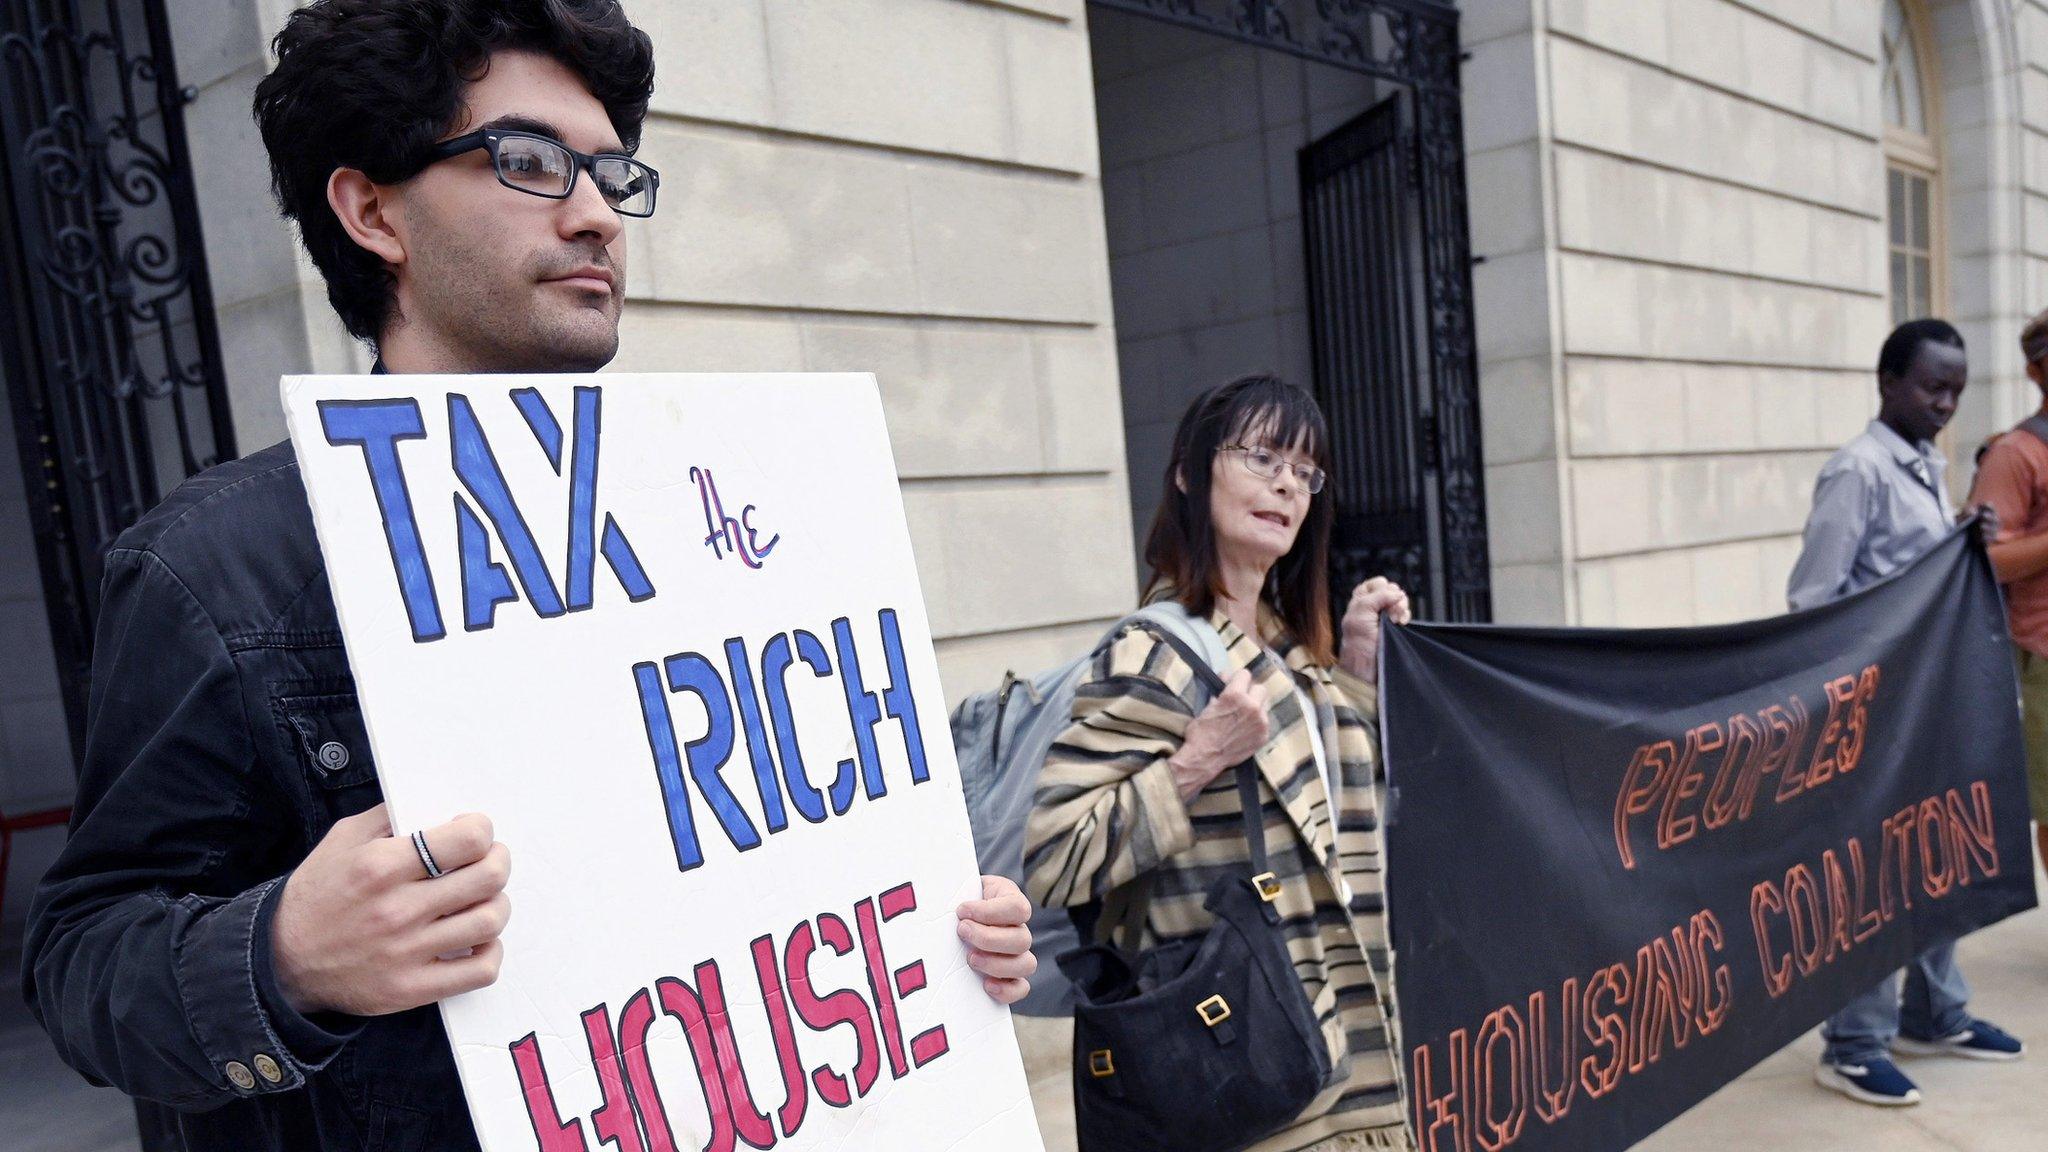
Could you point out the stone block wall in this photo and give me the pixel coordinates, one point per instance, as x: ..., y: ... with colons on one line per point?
x: 269, y: 302
x: 909, y: 187
x: 1680, y: 205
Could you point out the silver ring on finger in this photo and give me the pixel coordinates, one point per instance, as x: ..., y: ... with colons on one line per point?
x: 419, y: 843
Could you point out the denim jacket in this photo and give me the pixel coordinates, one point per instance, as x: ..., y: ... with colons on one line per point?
x: 223, y: 740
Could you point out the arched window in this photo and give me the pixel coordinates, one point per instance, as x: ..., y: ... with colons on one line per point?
x: 1912, y: 166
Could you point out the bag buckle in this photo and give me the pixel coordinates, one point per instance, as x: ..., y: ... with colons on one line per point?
x: 1268, y: 886
x: 1213, y: 1011
x: 1100, y: 1065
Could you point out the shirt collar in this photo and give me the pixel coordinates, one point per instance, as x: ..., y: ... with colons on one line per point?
x: 377, y: 368
x: 1923, y: 461
x: 1914, y: 457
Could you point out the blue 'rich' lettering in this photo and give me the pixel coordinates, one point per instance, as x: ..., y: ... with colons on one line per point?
x: 757, y: 735
x: 736, y: 695
x: 706, y: 755
x: 775, y: 662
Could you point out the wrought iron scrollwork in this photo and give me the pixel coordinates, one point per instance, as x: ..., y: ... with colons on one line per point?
x: 113, y: 368
x: 1390, y: 39
x: 1453, y: 352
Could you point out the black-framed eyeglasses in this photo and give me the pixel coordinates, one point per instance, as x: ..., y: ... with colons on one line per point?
x: 1266, y: 465
x: 539, y: 166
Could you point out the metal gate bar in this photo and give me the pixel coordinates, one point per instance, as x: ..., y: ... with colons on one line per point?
x: 112, y: 365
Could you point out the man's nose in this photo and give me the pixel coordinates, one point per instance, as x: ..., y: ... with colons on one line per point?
x: 587, y: 213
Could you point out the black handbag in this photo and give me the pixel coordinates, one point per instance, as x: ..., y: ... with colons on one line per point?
x: 1200, y: 1045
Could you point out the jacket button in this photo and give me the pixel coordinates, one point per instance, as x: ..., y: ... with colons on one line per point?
x: 240, y: 1074
x: 333, y: 756
x: 267, y: 1068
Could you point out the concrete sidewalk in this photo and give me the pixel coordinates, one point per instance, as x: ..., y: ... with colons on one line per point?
x: 45, y: 1106
x: 1966, y: 1105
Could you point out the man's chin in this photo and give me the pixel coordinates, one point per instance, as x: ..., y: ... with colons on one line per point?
x: 583, y: 346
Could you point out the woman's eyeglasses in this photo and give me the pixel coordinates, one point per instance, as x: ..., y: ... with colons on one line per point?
x: 1266, y: 465
x: 539, y: 166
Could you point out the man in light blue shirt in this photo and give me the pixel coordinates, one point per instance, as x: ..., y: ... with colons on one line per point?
x: 1881, y: 503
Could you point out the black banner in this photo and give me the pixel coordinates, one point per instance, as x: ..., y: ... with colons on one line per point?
x: 1625, y: 866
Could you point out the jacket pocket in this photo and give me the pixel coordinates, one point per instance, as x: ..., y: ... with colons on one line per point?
x: 398, y: 1128
x: 326, y: 734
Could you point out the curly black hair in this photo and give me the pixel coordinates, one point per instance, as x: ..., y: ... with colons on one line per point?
x: 372, y: 84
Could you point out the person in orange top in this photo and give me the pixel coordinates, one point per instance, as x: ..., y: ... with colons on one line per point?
x: 2012, y: 477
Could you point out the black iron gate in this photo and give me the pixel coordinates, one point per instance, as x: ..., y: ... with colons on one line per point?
x: 1402, y: 443
x: 1390, y: 286
x: 1364, y: 293
x: 108, y: 353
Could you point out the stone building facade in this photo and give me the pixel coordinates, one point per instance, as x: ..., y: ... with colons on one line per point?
x: 907, y: 187
x: 1700, y: 219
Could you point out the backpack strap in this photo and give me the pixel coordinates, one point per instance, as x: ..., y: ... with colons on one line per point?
x: 2036, y: 426
x: 1209, y: 658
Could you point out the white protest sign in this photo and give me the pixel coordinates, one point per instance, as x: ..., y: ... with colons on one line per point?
x: 666, y: 632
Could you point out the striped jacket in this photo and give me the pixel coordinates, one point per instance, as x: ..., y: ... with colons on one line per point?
x: 1107, y: 811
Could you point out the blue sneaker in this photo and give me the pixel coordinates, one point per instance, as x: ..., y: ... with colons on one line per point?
x: 1878, y: 1082
x: 1979, y: 1040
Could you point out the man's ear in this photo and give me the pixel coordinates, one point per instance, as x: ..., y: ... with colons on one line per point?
x: 364, y: 209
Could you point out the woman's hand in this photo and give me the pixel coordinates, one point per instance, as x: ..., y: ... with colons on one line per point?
x: 997, y: 931
x: 1360, y: 653
x: 1226, y: 734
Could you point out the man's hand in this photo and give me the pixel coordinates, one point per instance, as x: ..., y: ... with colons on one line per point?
x: 996, y: 929
x: 1987, y: 523
x: 361, y: 929
x: 1361, y: 644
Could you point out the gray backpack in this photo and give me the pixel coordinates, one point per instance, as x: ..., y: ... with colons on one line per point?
x: 1001, y: 738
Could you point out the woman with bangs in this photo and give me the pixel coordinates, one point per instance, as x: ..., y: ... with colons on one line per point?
x: 1133, y: 789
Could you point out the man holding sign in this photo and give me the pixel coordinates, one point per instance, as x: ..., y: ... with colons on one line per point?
x: 232, y: 930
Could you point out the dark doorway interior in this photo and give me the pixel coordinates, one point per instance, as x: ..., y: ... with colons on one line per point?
x: 1367, y: 300
x: 35, y: 739
x: 1284, y: 191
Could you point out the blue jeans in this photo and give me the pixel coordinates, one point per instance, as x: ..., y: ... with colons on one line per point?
x: 1933, y: 1007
